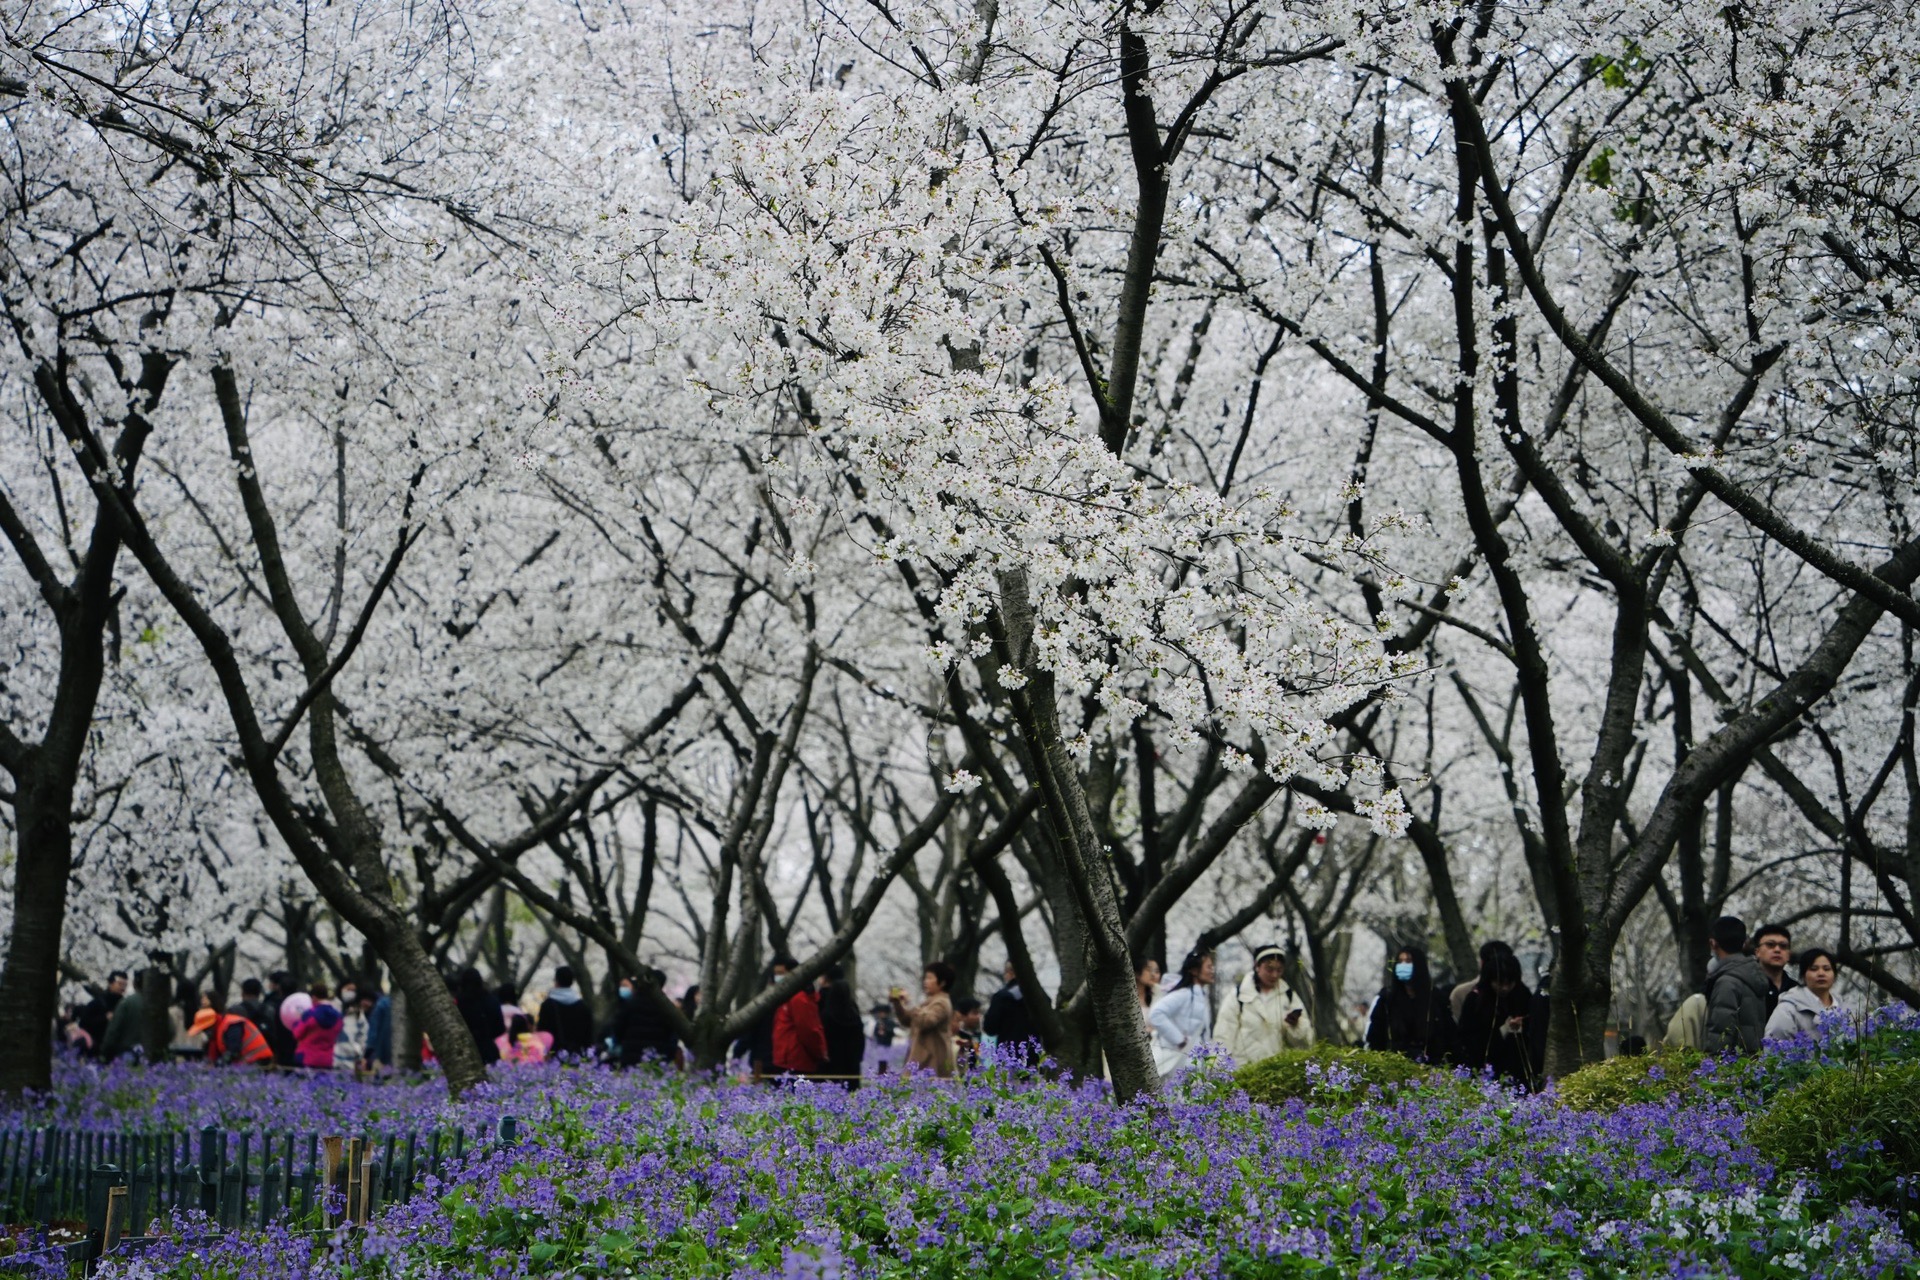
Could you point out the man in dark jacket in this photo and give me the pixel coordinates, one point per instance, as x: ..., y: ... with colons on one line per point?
x: 846, y: 1033
x: 565, y: 1015
x: 280, y: 985
x: 98, y: 1011
x: 125, y: 1030
x: 1007, y: 1020
x: 251, y: 1006
x: 1736, y: 991
x: 756, y: 1044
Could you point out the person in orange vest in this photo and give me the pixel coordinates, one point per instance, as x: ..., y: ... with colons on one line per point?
x: 232, y: 1038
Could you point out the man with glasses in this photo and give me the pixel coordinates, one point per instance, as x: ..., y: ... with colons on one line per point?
x: 1773, y: 947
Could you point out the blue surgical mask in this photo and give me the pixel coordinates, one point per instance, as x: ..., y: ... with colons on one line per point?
x: 626, y: 993
x: 1403, y: 971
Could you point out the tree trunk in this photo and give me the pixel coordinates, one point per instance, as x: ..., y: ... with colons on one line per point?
x: 429, y: 1005
x: 406, y: 1034
x: 44, y: 777
x: 1582, y: 986
x: 1110, y: 990
x: 30, y: 979
x: 156, y: 1025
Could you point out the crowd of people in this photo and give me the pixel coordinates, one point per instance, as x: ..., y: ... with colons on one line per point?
x: 279, y: 1022
x: 1492, y: 1021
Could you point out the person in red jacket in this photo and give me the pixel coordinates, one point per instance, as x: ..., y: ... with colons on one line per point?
x: 232, y: 1037
x: 799, y: 1040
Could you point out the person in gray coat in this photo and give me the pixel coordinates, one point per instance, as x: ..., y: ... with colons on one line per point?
x: 1736, y: 992
x: 1801, y: 1007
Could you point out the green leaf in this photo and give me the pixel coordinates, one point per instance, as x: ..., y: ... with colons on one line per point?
x: 1600, y: 168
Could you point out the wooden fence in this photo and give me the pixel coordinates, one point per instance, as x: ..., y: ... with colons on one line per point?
x: 115, y: 1186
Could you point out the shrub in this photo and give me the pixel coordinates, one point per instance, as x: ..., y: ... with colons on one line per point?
x: 1622, y: 1081
x: 1855, y: 1129
x: 1329, y: 1075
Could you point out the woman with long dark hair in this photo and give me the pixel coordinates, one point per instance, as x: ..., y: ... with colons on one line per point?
x: 1183, y: 1017
x: 1146, y: 981
x: 1410, y: 1017
x: 1494, y: 1028
x: 480, y: 1010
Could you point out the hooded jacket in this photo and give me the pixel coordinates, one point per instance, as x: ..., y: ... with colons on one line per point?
x: 1253, y: 1023
x: 566, y: 1017
x: 1799, y: 1010
x: 1736, y: 1005
x: 315, y: 1035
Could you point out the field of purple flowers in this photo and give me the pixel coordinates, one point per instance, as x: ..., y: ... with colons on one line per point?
x: 1007, y: 1175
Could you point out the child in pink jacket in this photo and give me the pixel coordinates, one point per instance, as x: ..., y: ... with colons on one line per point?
x: 317, y: 1031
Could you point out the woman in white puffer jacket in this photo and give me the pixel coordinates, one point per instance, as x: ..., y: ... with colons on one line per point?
x: 1182, y: 1018
x: 1800, y: 1008
x: 1263, y: 1015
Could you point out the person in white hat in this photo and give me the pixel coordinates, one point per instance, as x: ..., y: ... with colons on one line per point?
x: 1263, y: 1015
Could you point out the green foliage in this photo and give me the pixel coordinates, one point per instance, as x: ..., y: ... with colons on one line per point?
x: 1618, y: 73
x: 1855, y: 1129
x: 1331, y: 1076
x: 1600, y: 168
x: 1622, y: 1081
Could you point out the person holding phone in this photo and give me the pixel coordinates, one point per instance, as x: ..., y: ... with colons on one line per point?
x: 929, y: 1024
x: 1263, y: 1015
x: 1495, y: 1025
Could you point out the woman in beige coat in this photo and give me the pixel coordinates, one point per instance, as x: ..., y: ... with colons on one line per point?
x: 1263, y: 1015
x: 929, y: 1024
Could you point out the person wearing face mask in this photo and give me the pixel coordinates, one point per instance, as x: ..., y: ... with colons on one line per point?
x: 1411, y: 1018
x: 1182, y: 1018
x: 639, y: 1031
x: 1801, y: 1006
x: 1263, y: 1015
x: 351, y: 1048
